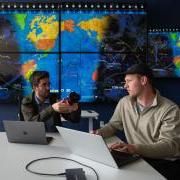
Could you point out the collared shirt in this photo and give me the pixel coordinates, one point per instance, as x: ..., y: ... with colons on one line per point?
x: 141, y: 108
x: 49, y: 123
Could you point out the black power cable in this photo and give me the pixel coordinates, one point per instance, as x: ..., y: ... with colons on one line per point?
x: 58, y: 174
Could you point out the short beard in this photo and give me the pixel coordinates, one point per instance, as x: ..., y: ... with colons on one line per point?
x: 44, y: 95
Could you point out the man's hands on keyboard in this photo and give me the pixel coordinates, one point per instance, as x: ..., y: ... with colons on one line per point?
x: 123, y: 147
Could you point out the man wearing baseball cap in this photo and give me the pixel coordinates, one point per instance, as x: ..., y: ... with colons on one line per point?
x: 151, y: 123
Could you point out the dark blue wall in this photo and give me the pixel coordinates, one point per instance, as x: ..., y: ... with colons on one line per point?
x: 163, y: 13
x: 169, y: 87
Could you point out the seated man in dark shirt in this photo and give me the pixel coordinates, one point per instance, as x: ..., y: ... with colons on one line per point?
x: 44, y: 106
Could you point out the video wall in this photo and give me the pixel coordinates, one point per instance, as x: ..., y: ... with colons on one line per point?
x: 164, y: 52
x: 85, y: 47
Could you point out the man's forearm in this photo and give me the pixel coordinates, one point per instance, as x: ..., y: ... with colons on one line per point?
x: 157, y: 150
x: 107, y: 131
x: 42, y: 116
x: 73, y: 116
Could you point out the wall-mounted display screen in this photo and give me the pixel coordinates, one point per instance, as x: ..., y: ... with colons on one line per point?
x: 164, y: 53
x: 85, y: 48
x: 29, y: 31
x: 104, y: 31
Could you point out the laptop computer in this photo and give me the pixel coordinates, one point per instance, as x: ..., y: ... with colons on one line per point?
x: 26, y: 132
x: 93, y: 147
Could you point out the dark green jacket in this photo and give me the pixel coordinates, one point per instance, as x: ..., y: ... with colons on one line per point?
x: 30, y: 112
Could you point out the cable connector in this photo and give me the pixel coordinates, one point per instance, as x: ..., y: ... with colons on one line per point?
x: 75, y: 174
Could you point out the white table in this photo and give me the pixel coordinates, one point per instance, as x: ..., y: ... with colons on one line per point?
x: 14, y: 157
x: 90, y: 115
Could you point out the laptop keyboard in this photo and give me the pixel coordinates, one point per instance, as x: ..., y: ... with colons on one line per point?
x: 122, y: 158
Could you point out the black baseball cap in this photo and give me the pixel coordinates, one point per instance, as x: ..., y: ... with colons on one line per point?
x: 141, y: 69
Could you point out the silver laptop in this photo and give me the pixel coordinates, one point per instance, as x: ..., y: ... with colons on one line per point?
x: 93, y: 147
x: 26, y: 132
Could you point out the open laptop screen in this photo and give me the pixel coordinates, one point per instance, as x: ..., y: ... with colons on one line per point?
x: 92, y: 147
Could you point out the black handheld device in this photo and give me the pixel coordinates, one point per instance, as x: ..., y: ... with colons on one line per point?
x: 73, y: 98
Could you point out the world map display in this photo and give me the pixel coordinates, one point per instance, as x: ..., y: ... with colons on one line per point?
x: 32, y: 37
x: 97, y: 48
x: 70, y: 45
